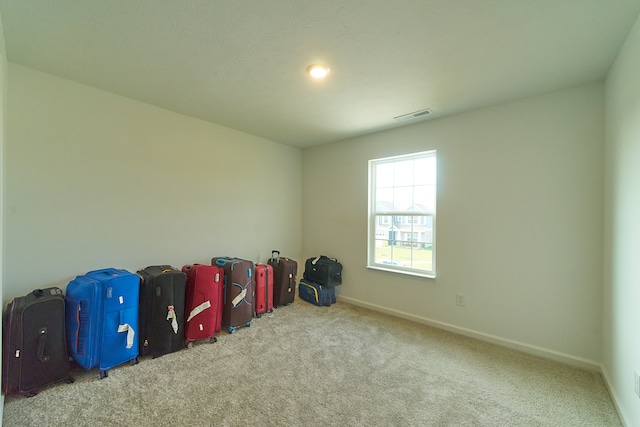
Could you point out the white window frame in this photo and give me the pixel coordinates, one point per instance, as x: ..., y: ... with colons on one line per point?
x: 374, y: 215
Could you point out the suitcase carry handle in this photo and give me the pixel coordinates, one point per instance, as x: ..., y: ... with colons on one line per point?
x: 321, y: 257
x: 73, y: 325
x: 42, y: 339
x: 221, y: 262
x: 106, y: 272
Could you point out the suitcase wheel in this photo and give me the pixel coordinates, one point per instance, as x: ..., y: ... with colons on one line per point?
x: 248, y: 324
x: 213, y: 339
x: 103, y: 374
x: 70, y: 380
x: 134, y: 361
x: 231, y: 329
x: 30, y: 393
x: 271, y: 311
x: 190, y: 344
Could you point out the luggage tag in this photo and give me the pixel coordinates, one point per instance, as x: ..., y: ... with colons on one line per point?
x: 238, y: 299
x: 199, y: 309
x: 171, y: 315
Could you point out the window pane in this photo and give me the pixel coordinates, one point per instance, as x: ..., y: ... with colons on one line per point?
x: 424, y: 198
x: 385, y: 229
x: 387, y: 254
x: 422, y: 258
x: 403, y: 173
x: 413, y: 229
x: 425, y: 171
x: 384, y: 199
x: 421, y: 172
x: 427, y: 232
x: 384, y: 175
x: 402, y: 198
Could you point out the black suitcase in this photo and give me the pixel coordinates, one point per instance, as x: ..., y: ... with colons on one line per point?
x: 284, y: 279
x: 34, y: 348
x: 161, y: 321
x: 324, y: 271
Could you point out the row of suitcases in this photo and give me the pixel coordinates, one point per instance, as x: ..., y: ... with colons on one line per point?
x: 111, y: 316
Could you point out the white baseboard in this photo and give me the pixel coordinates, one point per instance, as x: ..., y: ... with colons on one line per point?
x: 614, y: 397
x: 526, y: 348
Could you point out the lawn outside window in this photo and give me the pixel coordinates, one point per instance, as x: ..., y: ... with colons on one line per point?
x: 402, y: 214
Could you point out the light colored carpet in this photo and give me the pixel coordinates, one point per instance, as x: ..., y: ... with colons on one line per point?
x: 328, y: 366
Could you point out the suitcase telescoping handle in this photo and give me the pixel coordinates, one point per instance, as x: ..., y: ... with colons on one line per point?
x: 275, y: 255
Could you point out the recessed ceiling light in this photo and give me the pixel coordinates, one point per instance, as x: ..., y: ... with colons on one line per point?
x: 318, y: 71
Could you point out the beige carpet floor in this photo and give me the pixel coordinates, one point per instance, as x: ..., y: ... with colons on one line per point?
x: 328, y: 366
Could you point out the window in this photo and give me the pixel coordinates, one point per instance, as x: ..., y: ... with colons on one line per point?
x: 402, y: 213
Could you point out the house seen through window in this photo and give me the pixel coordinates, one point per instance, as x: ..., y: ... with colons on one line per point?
x: 402, y: 213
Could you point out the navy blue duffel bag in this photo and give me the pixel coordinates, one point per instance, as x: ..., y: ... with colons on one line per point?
x: 316, y: 293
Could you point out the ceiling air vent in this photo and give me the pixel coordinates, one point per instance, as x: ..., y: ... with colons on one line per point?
x: 414, y: 115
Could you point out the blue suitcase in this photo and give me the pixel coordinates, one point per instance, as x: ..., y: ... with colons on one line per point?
x: 102, y: 319
x: 316, y: 294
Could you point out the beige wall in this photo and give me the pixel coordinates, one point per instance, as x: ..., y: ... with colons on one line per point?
x: 621, y: 338
x: 96, y: 180
x: 520, y: 193
x: 3, y: 85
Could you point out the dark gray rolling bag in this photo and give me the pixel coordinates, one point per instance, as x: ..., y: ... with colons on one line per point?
x: 34, y: 349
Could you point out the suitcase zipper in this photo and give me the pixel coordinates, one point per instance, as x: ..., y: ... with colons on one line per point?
x: 315, y: 291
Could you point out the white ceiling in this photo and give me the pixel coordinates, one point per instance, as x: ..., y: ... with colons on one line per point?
x: 241, y: 63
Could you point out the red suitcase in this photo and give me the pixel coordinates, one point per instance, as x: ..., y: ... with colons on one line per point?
x: 263, y: 300
x: 203, y: 302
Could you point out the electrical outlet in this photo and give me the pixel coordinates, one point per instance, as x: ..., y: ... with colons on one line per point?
x: 460, y: 299
x: 636, y: 384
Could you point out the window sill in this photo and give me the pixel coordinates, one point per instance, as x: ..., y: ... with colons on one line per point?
x: 399, y: 271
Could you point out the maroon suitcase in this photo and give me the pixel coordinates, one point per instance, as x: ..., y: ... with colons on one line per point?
x: 203, y: 302
x: 263, y: 301
x: 239, y: 285
x: 284, y: 279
